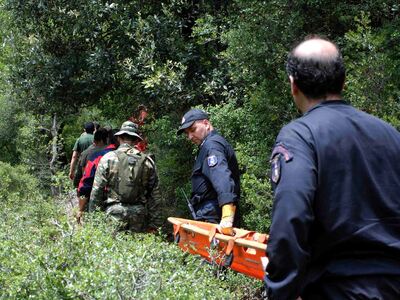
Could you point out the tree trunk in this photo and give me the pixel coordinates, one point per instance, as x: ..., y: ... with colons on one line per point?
x: 54, y: 154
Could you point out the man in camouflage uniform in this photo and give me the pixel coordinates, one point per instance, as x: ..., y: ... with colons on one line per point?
x: 139, y: 213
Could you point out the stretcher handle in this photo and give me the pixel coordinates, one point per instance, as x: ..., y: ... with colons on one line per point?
x: 226, y: 238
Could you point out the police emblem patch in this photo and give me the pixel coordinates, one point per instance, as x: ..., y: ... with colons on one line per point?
x: 212, y: 160
x: 276, y: 169
x: 280, y: 148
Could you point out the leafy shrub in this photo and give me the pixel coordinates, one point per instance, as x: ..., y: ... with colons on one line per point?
x: 257, y: 202
x: 16, y: 182
x: 45, y: 255
x: 174, y: 164
x: 242, y: 128
x: 372, y: 73
x: 73, y: 127
x: 9, y: 125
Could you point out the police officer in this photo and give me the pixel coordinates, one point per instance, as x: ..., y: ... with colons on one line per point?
x: 131, y: 180
x: 215, y: 177
x: 335, y: 231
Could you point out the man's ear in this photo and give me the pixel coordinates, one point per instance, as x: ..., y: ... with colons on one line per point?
x: 207, y: 124
x: 293, y: 87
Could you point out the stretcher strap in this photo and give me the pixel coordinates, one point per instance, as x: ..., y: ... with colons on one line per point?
x: 177, y: 228
x: 229, y: 247
x: 211, y: 235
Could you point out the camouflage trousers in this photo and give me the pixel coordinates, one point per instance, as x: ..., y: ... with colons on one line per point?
x: 132, y: 217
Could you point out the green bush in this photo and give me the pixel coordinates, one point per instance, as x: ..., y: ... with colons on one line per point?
x: 45, y: 255
x: 9, y: 125
x: 73, y: 126
x: 372, y: 80
x: 16, y: 182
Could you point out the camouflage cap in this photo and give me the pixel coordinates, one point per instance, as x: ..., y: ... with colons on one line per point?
x: 129, y: 128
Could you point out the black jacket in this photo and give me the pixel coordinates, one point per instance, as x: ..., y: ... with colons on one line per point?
x: 336, y: 212
x: 215, y: 178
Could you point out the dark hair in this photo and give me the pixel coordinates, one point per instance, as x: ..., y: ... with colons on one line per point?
x: 112, y: 139
x: 129, y: 137
x: 101, y: 134
x: 89, y: 127
x: 317, y: 77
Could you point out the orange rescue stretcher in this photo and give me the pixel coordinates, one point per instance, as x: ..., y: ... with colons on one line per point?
x: 241, y: 252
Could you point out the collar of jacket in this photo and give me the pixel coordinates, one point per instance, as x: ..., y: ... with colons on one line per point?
x: 326, y: 103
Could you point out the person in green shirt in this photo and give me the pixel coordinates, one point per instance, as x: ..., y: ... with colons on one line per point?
x: 81, y: 144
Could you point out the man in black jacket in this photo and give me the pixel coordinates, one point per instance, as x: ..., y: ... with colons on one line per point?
x: 335, y: 231
x: 215, y: 177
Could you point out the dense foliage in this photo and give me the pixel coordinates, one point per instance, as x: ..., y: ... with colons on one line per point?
x: 65, y: 62
x: 45, y: 255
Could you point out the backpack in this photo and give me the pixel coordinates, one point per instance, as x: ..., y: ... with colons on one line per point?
x: 129, y: 180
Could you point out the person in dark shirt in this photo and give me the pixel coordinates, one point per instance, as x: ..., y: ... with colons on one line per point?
x: 99, y: 142
x: 88, y: 163
x: 215, y: 177
x: 335, y: 231
x: 81, y: 144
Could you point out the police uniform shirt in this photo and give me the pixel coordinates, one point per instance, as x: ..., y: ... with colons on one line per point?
x: 215, y: 173
x: 336, y: 211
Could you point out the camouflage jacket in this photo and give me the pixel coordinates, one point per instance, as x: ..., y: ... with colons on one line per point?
x: 106, y: 177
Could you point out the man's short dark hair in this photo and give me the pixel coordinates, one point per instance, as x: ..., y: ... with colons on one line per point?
x: 101, y: 134
x: 129, y: 137
x: 317, y: 77
x: 89, y: 127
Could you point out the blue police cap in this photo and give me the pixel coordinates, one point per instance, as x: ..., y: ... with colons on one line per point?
x: 190, y: 117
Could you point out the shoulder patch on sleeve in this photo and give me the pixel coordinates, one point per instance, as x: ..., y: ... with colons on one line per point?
x: 212, y: 160
x: 280, y: 148
x: 276, y: 168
